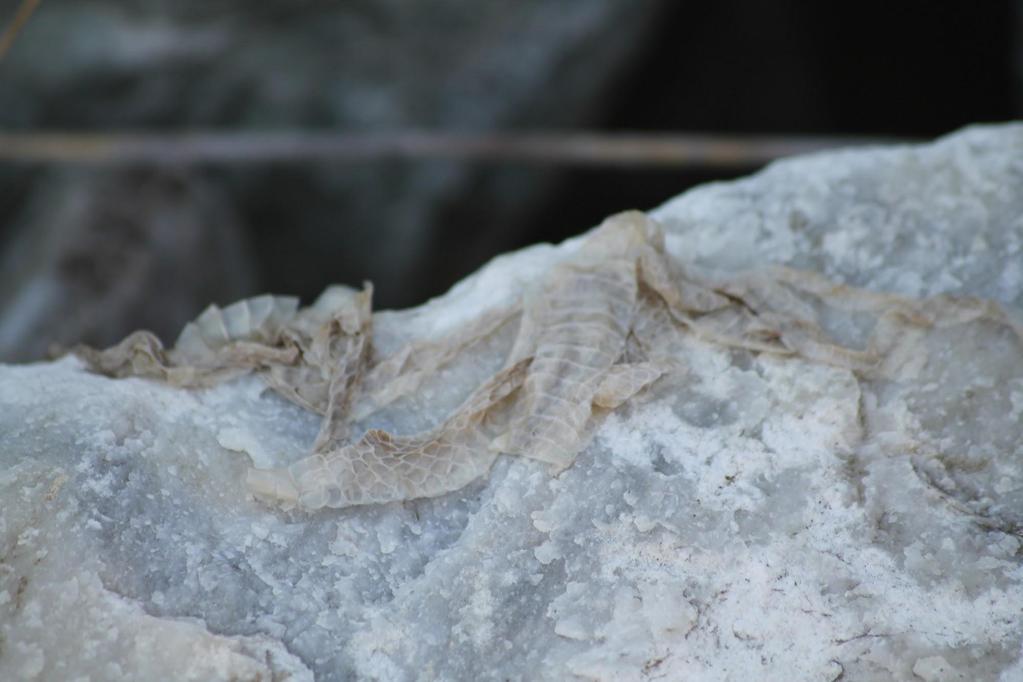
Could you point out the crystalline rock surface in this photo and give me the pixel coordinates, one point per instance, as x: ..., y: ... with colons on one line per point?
x: 773, y: 430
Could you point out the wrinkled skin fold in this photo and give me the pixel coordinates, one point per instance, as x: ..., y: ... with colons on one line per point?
x: 596, y: 331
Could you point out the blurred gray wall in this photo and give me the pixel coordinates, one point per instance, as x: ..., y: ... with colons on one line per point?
x: 92, y: 253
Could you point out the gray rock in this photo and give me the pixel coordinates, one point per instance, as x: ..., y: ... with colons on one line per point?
x: 765, y: 518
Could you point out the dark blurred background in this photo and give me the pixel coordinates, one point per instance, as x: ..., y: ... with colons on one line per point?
x: 91, y: 251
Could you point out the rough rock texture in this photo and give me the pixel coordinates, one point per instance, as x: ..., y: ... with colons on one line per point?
x: 765, y: 517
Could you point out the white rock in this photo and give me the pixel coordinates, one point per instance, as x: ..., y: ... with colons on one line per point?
x: 765, y: 519
x: 936, y: 669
